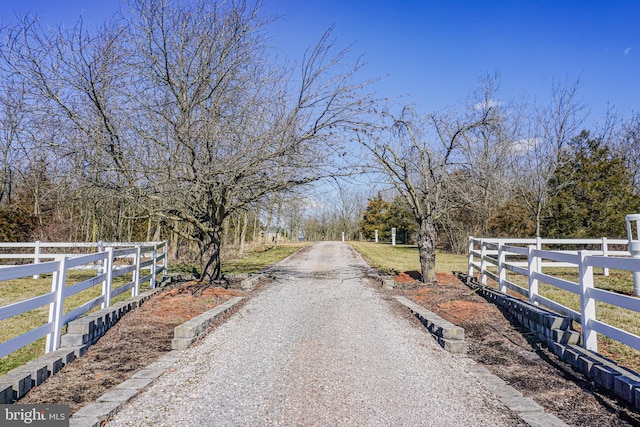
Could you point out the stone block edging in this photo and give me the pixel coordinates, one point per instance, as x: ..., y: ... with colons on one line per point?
x: 94, y: 414
x: 526, y: 408
x: 81, y: 334
x: 250, y: 282
x: 449, y: 336
x: 554, y: 331
x: 186, y: 334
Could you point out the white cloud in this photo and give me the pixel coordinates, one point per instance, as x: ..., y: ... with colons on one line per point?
x: 491, y: 103
x: 312, y: 205
x: 627, y: 50
x: 522, y: 146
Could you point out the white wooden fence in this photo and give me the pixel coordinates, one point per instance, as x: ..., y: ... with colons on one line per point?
x: 143, y: 260
x: 493, y: 258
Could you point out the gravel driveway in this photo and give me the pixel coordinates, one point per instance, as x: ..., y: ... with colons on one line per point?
x: 317, y: 347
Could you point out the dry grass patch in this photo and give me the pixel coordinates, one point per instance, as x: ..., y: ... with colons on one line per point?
x: 12, y: 291
x: 627, y: 320
x: 258, y: 258
x: 404, y: 258
x: 401, y: 258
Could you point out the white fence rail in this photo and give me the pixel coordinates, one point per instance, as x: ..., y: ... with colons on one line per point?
x: 143, y: 260
x: 493, y: 258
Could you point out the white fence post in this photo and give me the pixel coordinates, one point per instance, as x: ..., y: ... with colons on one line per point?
x: 587, y: 304
x: 154, y: 266
x: 605, y: 253
x: 470, y: 257
x: 634, y: 246
x: 36, y: 257
x: 108, y: 283
x: 502, y: 272
x: 533, y: 264
x: 101, y: 262
x: 483, y: 263
x: 58, y: 284
x: 165, y: 260
x: 136, y: 272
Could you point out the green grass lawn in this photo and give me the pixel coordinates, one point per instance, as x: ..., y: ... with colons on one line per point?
x: 260, y: 258
x: 385, y: 257
x: 12, y: 291
x: 401, y: 258
x: 21, y: 289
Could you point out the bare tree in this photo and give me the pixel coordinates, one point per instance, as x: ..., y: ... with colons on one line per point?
x: 217, y: 120
x: 77, y: 87
x: 333, y: 209
x: 420, y: 156
x: 486, y: 175
x: 175, y: 114
x: 13, y: 113
x: 553, y: 127
x: 630, y: 147
x: 350, y: 205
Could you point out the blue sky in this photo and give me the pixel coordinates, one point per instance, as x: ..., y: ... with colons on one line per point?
x: 432, y: 52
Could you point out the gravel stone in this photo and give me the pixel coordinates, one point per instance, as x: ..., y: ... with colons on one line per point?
x: 317, y: 347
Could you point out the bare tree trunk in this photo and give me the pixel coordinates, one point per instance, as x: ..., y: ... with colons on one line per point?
x: 268, y: 224
x: 94, y: 226
x: 236, y: 230
x: 427, y: 250
x: 149, y: 229
x: 243, y: 235
x: 255, y: 226
x: 210, y: 249
x: 175, y: 240
x: 538, y: 219
x: 224, y: 240
x: 278, y: 214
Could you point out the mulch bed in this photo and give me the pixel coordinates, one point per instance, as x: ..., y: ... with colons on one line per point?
x: 508, y: 351
x: 137, y: 340
x: 512, y: 353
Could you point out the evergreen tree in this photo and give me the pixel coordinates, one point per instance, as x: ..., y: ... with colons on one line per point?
x: 401, y: 218
x: 513, y: 218
x: 595, y: 192
x: 383, y: 216
x: 376, y: 217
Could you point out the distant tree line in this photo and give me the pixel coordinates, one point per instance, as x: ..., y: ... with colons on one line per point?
x: 506, y: 169
x: 594, y: 191
x: 174, y: 120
